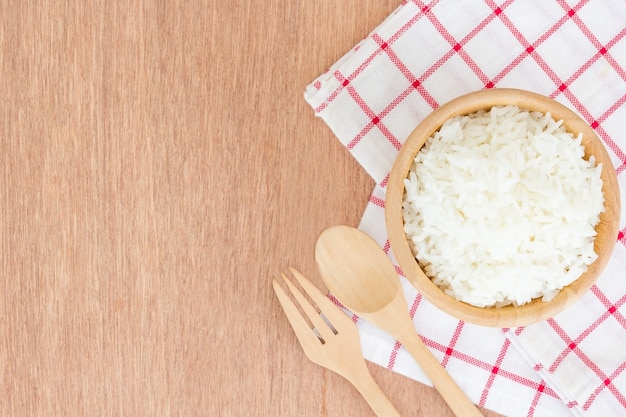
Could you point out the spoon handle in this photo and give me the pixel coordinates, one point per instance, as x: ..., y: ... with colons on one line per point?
x: 371, y: 392
x: 456, y: 399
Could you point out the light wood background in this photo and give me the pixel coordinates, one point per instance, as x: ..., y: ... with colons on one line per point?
x: 158, y: 166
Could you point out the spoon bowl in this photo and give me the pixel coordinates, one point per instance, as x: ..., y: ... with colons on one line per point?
x: 365, y: 284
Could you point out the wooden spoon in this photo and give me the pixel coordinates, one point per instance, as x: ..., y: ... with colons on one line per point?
x: 359, y: 274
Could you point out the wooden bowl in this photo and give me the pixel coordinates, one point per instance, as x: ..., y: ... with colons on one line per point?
x: 536, y: 310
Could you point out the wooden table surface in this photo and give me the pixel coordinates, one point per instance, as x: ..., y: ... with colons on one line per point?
x: 158, y: 166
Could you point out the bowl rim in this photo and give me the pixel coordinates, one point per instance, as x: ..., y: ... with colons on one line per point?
x: 537, y: 310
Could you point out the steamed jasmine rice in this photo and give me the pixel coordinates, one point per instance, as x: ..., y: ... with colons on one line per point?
x: 500, y: 207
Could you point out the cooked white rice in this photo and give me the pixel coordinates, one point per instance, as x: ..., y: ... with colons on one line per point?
x: 500, y: 207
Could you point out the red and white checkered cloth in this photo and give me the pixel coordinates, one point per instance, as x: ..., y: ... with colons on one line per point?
x: 426, y: 54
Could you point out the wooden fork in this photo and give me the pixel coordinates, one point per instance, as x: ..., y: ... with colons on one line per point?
x: 333, y: 341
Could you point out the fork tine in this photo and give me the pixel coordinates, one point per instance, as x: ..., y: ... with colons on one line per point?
x: 298, y: 323
x: 343, y: 356
x: 318, y: 323
x: 339, y: 320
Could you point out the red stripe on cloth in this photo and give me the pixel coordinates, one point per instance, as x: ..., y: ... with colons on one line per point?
x: 494, y: 372
x: 593, y: 39
x: 415, y: 84
x: 572, y: 347
x: 374, y: 121
x: 455, y: 338
x: 393, y: 140
x: 414, y: 306
x: 334, y: 94
x: 393, y: 356
x: 538, y: 394
x: 572, y: 404
x: 345, y: 81
x: 385, y: 181
x: 411, y: 21
x: 611, y: 60
x: 608, y: 141
x: 457, y: 45
x: 488, y: 367
x: 562, y: 86
x: 572, y: 344
x: 614, y: 107
x: 377, y: 201
x: 336, y: 302
x: 485, y: 366
x: 366, y: 62
x: 607, y: 383
x: 399, y: 271
x: 387, y: 247
x: 569, y: 10
x: 531, y: 47
x: 603, y: 51
x: 510, y: 66
x: 612, y: 309
x: 585, y: 67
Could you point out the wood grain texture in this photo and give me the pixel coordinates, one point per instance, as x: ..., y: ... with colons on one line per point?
x: 158, y: 166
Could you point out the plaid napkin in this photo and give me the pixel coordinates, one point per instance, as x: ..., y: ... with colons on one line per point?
x: 426, y: 54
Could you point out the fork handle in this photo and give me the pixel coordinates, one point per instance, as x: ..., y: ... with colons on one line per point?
x: 371, y: 392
